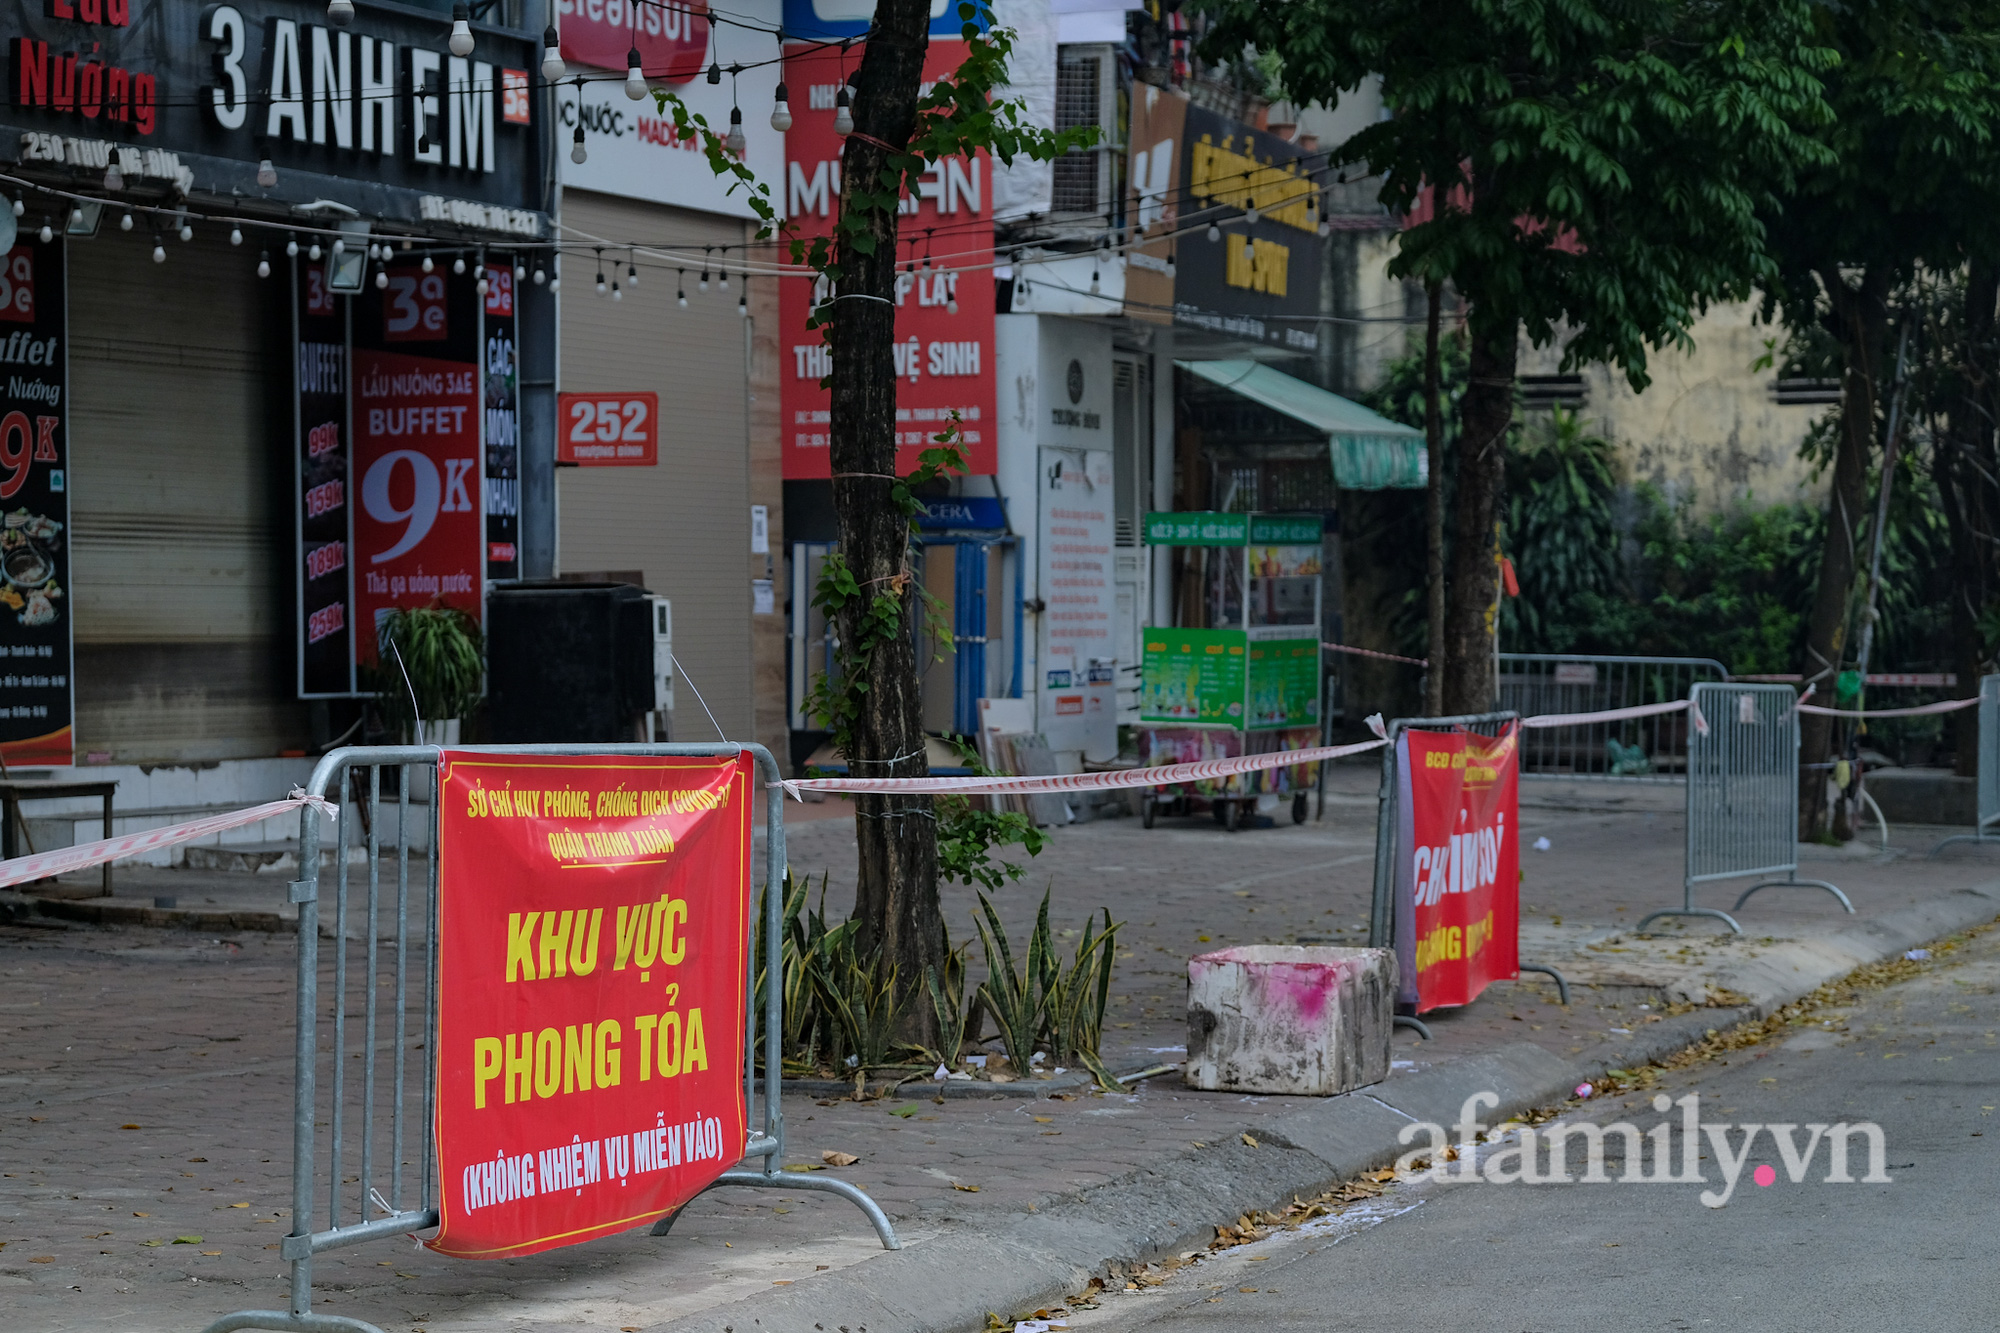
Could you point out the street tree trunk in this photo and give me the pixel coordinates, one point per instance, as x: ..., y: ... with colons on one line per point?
x: 1434, y: 511
x: 896, y: 898
x: 1860, y: 322
x: 1472, y: 594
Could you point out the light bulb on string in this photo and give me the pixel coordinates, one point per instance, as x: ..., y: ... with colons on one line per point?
x: 76, y: 216
x: 187, y: 230
x: 381, y: 279
x: 843, y: 113
x: 264, y: 264
x: 631, y: 274
x: 1250, y: 213
x: 291, y: 244
x: 1170, y: 264
x: 743, y: 300
x: 482, y: 286
x: 461, y: 31
x: 1093, y: 282
x: 48, y: 233
x: 114, y: 176
x: 520, y: 271
x: 616, y: 295
x: 781, y: 111
x: 20, y: 206
x: 635, y: 76
x: 125, y: 222
x: 458, y: 264
x: 479, y: 269
x: 340, y: 13
x: 734, y: 141
x: 714, y: 72
x: 578, y: 153
x: 1214, y: 233
x: 267, y: 174
x: 428, y: 264
x: 340, y: 245
x: 374, y: 252
x: 159, y: 249
x: 236, y: 235
x: 312, y: 252
x: 1249, y: 249
x: 541, y: 275
x: 681, y: 288
x: 552, y: 61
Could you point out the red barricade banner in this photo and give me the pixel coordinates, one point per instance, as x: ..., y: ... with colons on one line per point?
x: 1458, y: 874
x: 593, y: 913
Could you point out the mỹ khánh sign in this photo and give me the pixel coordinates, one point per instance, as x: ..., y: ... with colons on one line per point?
x: 1458, y: 872
x: 592, y: 919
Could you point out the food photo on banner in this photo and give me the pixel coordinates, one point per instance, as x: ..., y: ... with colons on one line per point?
x: 1458, y: 875
x: 944, y: 317
x: 593, y: 918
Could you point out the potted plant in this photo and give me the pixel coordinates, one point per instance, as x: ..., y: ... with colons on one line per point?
x: 436, y: 654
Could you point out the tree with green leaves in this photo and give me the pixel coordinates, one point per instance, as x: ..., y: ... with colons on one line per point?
x: 868, y: 589
x: 1908, y: 179
x: 1597, y: 172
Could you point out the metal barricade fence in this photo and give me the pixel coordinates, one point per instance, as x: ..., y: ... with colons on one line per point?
x: 379, y: 1124
x: 1988, y: 813
x: 1382, y: 906
x: 1742, y: 795
x: 1650, y: 749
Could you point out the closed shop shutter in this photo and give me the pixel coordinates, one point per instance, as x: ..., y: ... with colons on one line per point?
x: 683, y: 525
x: 177, y: 493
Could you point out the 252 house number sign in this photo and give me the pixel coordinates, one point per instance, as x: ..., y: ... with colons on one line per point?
x: 608, y: 429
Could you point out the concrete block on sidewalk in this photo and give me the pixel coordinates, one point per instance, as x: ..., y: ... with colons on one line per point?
x: 1279, y: 1018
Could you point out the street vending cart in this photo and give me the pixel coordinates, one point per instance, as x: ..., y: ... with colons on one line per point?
x: 1239, y: 671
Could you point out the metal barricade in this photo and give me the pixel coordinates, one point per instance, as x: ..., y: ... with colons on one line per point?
x: 1649, y: 749
x: 1989, y: 767
x: 1382, y: 906
x: 379, y: 1125
x: 1742, y: 795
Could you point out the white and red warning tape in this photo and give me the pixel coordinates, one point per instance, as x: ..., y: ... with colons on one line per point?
x: 43, y: 865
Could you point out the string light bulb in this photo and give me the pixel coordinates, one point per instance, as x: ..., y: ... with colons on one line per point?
x: 541, y: 275
x: 381, y: 279
x: 1214, y: 233
x: 236, y: 235
x: 114, y: 177
x: 48, y: 233
x: 20, y: 206
x: 631, y: 274
x: 714, y: 72
x: 722, y: 278
x: 76, y: 216
x: 340, y: 245
x: 458, y: 264
x: 781, y: 111
x: 578, y: 153
x: 520, y: 271
x: 843, y: 113
x: 1251, y: 214
x: 461, y: 30
x: 267, y: 174
x: 734, y: 140
x: 291, y: 245
x: 159, y: 249
x: 313, y: 252
x: 187, y: 230
x: 482, y: 286
x: 635, y: 76
x: 125, y: 222
x: 264, y: 264
x: 340, y: 13
x: 428, y: 264
x: 552, y: 61
x: 681, y: 288
x: 616, y: 295
x: 702, y: 285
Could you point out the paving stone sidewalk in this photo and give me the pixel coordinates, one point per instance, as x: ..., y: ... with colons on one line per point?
x: 145, y: 1073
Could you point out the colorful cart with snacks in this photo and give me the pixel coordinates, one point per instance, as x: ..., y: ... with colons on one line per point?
x: 1239, y: 671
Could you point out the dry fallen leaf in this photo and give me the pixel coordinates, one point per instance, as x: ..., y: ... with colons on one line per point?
x: 142, y: 1214
x: 212, y: 1253
x: 43, y: 1259
x: 130, y: 1127
x: 969, y: 1189
x: 239, y: 1205
x: 1249, y: 1141
x: 833, y: 1158
x: 187, y: 1240
x: 1045, y: 1119
x: 1246, y: 1290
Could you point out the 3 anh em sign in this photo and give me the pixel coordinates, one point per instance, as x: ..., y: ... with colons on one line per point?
x: 1458, y: 869
x: 608, y: 429
x: 592, y: 925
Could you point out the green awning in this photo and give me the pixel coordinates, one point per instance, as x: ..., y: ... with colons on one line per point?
x: 1370, y: 452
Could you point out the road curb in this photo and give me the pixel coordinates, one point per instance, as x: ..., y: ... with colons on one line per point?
x: 950, y: 1283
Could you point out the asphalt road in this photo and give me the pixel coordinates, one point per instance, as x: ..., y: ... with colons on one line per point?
x: 1919, y: 1058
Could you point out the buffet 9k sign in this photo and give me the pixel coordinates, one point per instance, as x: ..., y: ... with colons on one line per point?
x: 592, y: 919
x: 1458, y: 875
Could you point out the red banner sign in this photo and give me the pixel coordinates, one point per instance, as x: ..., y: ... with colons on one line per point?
x: 944, y: 289
x: 608, y: 429
x: 416, y: 464
x: 672, y: 39
x: 1458, y: 875
x: 592, y: 924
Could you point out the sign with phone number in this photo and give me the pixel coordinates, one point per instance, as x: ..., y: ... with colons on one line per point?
x: 608, y: 429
